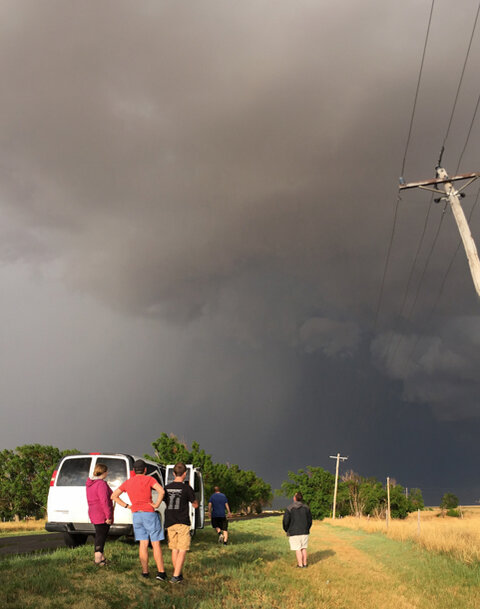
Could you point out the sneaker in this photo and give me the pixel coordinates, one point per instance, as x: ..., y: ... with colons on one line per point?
x: 225, y: 543
x: 162, y: 576
x: 145, y: 575
x: 220, y: 538
x: 176, y: 579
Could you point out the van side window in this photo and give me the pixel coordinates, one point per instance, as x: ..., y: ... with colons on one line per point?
x: 117, y: 471
x: 74, y: 472
x: 153, y: 471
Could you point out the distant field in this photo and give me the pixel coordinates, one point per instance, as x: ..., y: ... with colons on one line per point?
x: 458, y: 537
x: 24, y: 527
x: 348, y: 569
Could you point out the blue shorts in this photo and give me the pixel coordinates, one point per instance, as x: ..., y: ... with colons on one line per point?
x: 147, y: 525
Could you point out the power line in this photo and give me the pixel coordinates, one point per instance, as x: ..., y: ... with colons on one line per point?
x: 418, y: 88
x: 410, y: 276
x: 443, y: 214
x: 387, y: 259
x: 461, y: 78
x: 419, y: 285
x: 395, y: 216
x: 468, y: 134
x: 452, y: 260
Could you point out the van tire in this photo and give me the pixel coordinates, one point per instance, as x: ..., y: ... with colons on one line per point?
x: 74, y: 540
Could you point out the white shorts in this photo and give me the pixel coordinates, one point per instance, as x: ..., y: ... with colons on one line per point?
x: 298, y: 542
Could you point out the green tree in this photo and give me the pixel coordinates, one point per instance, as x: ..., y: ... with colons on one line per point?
x: 317, y: 486
x: 244, y: 489
x: 25, y: 475
x: 398, y: 501
x: 415, y: 500
x: 373, y: 497
x: 449, y: 501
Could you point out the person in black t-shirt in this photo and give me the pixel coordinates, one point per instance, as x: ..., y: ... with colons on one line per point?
x: 177, y: 519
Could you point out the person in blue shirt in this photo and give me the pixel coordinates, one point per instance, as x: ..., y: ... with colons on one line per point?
x: 218, y: 509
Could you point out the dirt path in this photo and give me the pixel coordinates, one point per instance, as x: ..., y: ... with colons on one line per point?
x: 355, y: 570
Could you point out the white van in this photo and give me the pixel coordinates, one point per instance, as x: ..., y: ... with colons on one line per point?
x: 67, y: 507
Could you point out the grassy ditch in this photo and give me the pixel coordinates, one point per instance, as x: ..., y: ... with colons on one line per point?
x: 432, y: 530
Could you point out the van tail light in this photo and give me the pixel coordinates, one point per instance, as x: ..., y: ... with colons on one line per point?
x: 52, y: 480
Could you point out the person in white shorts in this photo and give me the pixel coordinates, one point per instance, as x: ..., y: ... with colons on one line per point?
x: 297, y: 522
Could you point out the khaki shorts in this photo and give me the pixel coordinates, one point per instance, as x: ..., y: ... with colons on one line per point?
x: 298, y: 542
x: 179, y: 537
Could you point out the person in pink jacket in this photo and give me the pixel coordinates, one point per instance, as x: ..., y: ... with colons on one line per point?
x: 100, y: 509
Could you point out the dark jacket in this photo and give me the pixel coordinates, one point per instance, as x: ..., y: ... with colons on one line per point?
x: 297, y: 519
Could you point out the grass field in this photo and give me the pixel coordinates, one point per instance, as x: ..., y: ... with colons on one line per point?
x: 458, y: 537
x: 348, y: 569
x: 24, y: 527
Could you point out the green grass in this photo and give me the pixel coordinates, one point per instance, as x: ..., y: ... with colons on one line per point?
x: 347, y: 569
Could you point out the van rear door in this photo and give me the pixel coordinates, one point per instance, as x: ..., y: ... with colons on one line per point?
x: 67, y: 499
x: 200, y: 495
x: 118, y: 472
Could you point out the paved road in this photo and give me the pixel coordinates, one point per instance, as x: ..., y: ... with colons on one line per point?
x: 24, y: 544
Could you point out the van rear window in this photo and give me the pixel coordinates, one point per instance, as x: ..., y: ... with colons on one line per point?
x: 117, y: 471
x: 74, y: 472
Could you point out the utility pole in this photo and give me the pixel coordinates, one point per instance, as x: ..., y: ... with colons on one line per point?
x: 388, y: 501
x: 338, y: 457
x: 452, y: 195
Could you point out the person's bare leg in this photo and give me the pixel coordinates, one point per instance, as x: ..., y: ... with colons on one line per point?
x: 299, y: 558
x: 99, y: 557
x: 225, y: 536
x: 143, y: 554
x: 304, y: 557
x: 180, y: 559
x: 158, y: 556
x: 174, y: 558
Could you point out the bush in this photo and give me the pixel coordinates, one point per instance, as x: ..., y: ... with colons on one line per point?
x: 449, y: 501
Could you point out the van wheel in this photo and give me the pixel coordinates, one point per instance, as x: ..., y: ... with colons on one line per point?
x: 74, y: 540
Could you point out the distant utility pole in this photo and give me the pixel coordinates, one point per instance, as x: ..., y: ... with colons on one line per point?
x: 338, y: 457
x: 388, y: 501
x: 452, y: 195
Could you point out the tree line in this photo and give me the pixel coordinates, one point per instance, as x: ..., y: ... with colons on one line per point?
x: 356, y: 494
x: 246, y: 492
x: 25, y: 475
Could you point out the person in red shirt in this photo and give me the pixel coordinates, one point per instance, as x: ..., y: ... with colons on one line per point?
x: 146, y: 522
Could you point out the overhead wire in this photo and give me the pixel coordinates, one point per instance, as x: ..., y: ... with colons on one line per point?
x: 419, y: 285
x: 444, y: 280
x: 397, y: 203
x: 461, y: 78
x: 452, y: 260
x: 452, y: 113
x: 457, y: 249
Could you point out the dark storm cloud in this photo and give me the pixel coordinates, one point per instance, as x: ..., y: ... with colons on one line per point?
x: 229, y: 170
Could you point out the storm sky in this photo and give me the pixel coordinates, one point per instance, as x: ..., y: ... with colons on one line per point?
x: 197, y: 201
